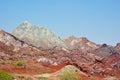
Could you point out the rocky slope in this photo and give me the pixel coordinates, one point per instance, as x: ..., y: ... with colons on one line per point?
x: 117, y: 48
x: 81, y: 43
x: 105, y: 50
x: 91, y: 59
x: 38, y: 36
x: 13, y: 48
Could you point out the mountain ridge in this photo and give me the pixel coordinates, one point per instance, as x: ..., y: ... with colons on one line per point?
x: 38, y: 36
x: 93, y: 60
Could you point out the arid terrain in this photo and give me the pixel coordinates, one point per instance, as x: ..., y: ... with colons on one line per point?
x: 32, y: 52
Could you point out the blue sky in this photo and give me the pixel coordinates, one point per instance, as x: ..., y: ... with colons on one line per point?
x: 98, y: 20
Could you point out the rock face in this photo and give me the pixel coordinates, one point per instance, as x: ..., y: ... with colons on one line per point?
x: 117, y: 48
x: 104, y: 50
x: 112, y: 60
x: 9, y: 39
x: 11, y: 48
x: 37, y: 36
x: 81, y: 43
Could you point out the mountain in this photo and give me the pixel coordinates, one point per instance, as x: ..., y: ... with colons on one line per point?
x: 38, y: 36
x: 84, y: 56
x: 40, y: 60
x: 81, y: 43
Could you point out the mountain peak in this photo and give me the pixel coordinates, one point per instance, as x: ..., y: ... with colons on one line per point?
x: 72, y: 37
x: 26, y: 23
x: 37, y: 35
x: 81, y: 43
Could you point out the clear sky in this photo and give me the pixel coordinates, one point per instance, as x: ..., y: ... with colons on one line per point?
x: 98, y: 20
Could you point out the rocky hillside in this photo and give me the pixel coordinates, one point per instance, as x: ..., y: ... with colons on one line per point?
x: 81, y: 43
x: 11, y: 48
x: 105, y: 50
x: 38, y: 36
x: 92, y: 60
x: 117, y: 48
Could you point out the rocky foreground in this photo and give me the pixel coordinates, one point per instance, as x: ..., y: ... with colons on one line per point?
x: 32, y: 52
